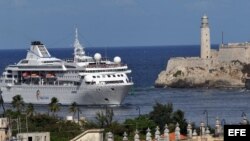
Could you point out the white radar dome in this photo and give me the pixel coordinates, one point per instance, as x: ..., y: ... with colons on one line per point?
x: 117, y: 60
x: 88, y: 78
x: 98, y: 56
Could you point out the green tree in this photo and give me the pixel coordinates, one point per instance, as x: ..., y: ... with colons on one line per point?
x: 140, y: 123
x: 161, y: 114
x: 17, y: 103
x: 109, y: 116
x: 178, y: 116
x: 105, y: 119
x: 73, y: 108
x: 30, y: 110
x: 101, y: 119
x: 54, y: 105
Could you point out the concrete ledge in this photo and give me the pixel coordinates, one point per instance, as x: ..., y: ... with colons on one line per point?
x: 90, y: 135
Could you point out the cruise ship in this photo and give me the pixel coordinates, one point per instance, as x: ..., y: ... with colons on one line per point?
x: 83, y: 79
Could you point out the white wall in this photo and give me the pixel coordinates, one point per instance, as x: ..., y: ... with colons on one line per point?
x: 227, y: 54
x: 90, y: 135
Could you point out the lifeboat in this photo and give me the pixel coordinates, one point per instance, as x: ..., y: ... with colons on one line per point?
x: 26, y: 75
x: 34, y: 75
x: 50, y: 75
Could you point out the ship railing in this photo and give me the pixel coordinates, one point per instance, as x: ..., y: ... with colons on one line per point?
x: 69, y: 60
x: 105, y: 65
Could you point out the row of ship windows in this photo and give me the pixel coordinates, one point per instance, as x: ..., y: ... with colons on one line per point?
x: 51, y: 88
x: 88, y: 71
x: 103, y: 76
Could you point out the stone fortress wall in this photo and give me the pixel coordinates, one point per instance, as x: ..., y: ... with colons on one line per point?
x: 225, y: 54
x: 236, y: 51
x: 180, y: 62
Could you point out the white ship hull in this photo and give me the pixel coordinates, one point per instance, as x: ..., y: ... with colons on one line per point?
x: 82, y: 95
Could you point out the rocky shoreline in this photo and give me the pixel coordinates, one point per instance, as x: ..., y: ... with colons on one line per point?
x: 224, y: 75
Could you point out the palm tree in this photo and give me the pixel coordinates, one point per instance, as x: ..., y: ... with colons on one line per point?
x: 54, y: 105
x: 73, y: 108
x: 101, y: 119
x: 30, y: 109
x: 17, y: 102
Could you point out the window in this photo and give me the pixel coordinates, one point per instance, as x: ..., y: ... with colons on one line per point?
x: 24, y: 62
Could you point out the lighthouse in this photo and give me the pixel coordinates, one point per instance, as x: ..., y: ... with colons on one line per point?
x: 205, y: 38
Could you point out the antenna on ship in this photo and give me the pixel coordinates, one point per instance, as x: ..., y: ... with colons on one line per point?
x: 79, y: 52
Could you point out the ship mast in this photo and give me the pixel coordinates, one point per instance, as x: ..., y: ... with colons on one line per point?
x: 79, y: 52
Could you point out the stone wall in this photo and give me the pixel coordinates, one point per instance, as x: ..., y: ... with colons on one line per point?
x: 180, y: 62
x: 227, y: 54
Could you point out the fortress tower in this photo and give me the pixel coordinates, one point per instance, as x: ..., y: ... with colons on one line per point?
x: 205, y: 38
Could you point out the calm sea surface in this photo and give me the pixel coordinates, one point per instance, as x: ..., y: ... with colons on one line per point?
x: 146, y: 63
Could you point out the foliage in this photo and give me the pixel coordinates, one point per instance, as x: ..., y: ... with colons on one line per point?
x: 104, y: 119
x: 30, y: 109
x: 73, y: 108
x: 141, y: 123
x: 178, y: 116
x: 17, y: 103
x: 117, y: 129
x: 54, y: 105
x: 100, y: 118
x: 163, y: 114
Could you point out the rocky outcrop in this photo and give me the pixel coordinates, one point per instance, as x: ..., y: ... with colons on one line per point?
x: 219, y: 75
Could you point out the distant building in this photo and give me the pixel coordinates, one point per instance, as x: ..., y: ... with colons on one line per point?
x: 5, y: 132
x: 35, y: 136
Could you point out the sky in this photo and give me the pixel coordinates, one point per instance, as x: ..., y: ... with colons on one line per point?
x: 120, y: 23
